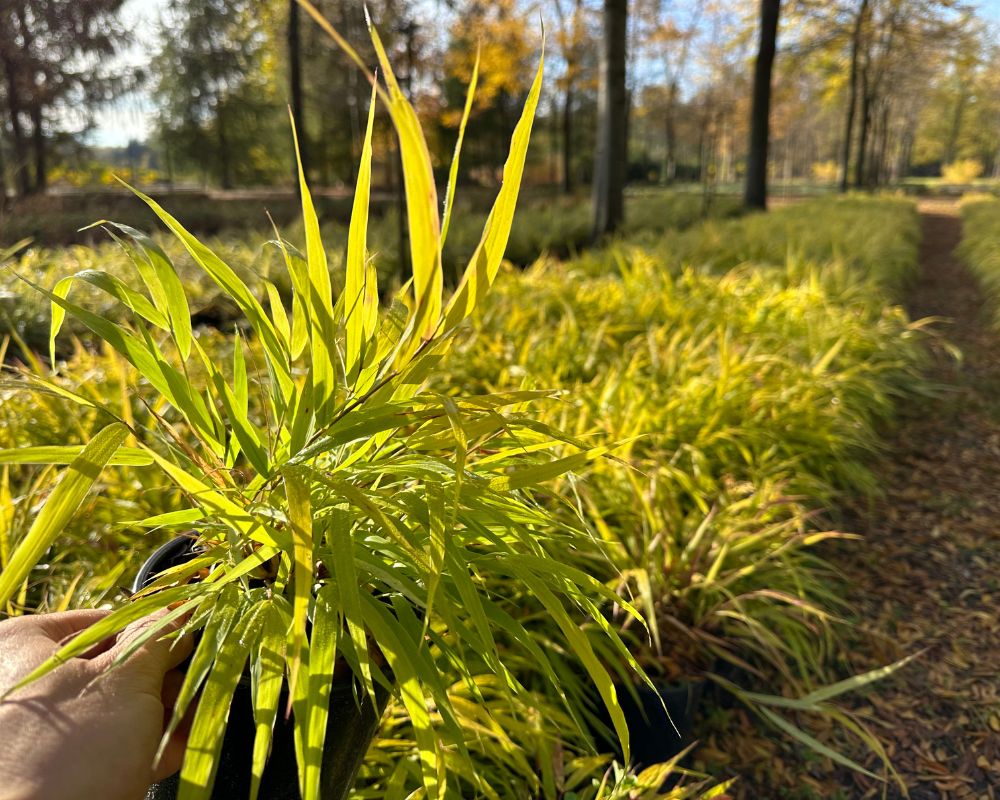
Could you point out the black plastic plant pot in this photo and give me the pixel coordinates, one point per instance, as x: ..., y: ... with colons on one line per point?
x: 652, y: 737
x: 351, y: 725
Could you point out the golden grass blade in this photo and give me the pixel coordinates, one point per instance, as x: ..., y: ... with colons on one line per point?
x: 201, y: 758
x: 215, y: 503
x: 267, y: 680
x: 318, y: 303
x: 57, y: 454
x: 421, y: 206
x: 355, y: 306
x: 300, y: 518
x: 62, y: 504
x: 449, y: 197
x: 485, y: 262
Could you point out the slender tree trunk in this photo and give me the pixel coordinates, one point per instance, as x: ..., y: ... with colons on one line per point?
x: 170, y: 165
x: 19, y: 104
x: 787, y: 167
x: 553, y: 145
x: 878, y: 140
x: 951, y: 150
x: 860, y: 164
x: 701, y: 155
x: 708, y: 148
x: 852, y: 97
x: 39, y: 146
x: 34, y: 106
x: 905, y: 152
x: 22, y: 175
x: 756, y: 186
x: 670, y: 129
x: 3, y: 178
x: 295, y: 85
x: 358, y: 99
x: 567, y: 140
x: 627, y: 136
x: 225, y: 157
x: 883, y: 150
x: 612, y: 124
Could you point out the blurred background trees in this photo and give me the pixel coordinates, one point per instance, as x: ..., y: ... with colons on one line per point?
x: 54, y: 58
x: 865, y: 92
x: 215, y: 82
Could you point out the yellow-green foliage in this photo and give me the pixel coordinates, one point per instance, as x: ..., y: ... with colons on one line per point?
x: 875, y: 237
x: 558, y: 226
x: 99, y: 550
x: 980, y: 247
x: 825, y: 171
x: 26, y: 312
x: 965, y: 170
x: 748, y: 396
x: 347, y: 512
x: 747, y: 365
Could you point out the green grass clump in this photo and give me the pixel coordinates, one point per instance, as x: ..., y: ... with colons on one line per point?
x: 25, y: 313
x: 745, y: 369
x: 557, y: 226
x: 744, y: 396
x: 347, y: 514
x: 980, y: 246
x: 875, y: 238
x: 748, y: 397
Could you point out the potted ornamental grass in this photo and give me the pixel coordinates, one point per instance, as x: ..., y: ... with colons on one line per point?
x: 344, y: 524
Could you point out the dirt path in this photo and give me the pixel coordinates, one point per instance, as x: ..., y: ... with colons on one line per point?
x: 928, y: 572
x: 926, y: 577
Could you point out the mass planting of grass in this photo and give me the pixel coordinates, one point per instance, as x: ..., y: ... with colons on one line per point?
x: 556, y: 226
x: 980, y: 247
x: 348, y: 516
x: 740, y: 375
x: 748, y: 396
x: 506, y: 496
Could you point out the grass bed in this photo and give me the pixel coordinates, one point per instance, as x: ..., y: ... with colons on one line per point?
x: 980, y: 246
x: 559, y: 227
x: 741, y: 372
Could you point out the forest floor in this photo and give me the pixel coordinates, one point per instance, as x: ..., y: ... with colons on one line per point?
x: 925, y: 578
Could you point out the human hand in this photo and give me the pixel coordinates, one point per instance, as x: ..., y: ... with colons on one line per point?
x: 69, y: 736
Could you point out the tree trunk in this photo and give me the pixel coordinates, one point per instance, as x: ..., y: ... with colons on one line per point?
x: 170, y: 164
x: 756, y: 188
x: 295, y: 87
x: 701, y: 154
x: 225, y: 160
x: 567, y: 140
x: 708, y: 148
x: 670, y: 129
x: 3, y: 178
x: 852, y: 98
x: 951, y: 150
x: 866, y: 116
x: 878, y: 139
x: 786, y: 174
x: 905, y: 152
x: 883, y: 150
x: 22, y: 175
x: 612, y: 111
x: 39, y: 146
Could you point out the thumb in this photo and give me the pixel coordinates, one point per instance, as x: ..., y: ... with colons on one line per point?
x: 150, y: 654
